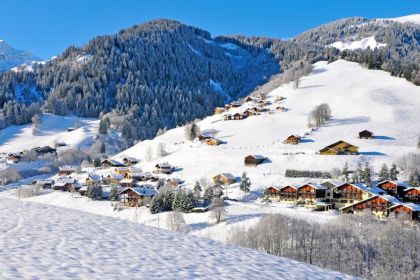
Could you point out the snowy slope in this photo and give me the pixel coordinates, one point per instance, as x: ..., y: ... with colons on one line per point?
x: 415, y: 18
x: 53, y: 128
x: 359, y: 98
x: 363, y: 44
x: 71, y: 244
x: 10, y: 57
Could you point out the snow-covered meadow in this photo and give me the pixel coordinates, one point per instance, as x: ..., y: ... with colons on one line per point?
x: 45, y: 242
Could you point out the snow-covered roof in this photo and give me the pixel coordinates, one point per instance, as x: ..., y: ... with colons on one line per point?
x: 112, y: 161
x: 257, y: 156
x: 141, y: 191
x: 116, y: 176
x: 126, y: 181
x: 94, y: 177
x: 163, y: 165
x: 226, y: 175
x: 314, y: 185
x: 67, y: 168
x: 412, y: 206
x: 398, y: 183
x: 121, y: 168
x: 336, y: 183
x: 131, y: 159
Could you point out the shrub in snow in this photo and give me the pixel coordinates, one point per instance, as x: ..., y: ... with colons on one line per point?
x: 218, y: 208
x: 27, y: 191
x: 245, y: 184
x: 114, y: 194
x: 175, y: 222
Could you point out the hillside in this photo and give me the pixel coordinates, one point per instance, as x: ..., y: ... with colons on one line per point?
x: 73, y: 244
x: 11, y: 57
x: 359, y: 98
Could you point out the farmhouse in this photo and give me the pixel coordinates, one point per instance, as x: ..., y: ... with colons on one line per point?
x: 13, y: 157
x: 292, y: 139
x: 288, y: 194
x: 249, y: 99
x: 365, y: 134
x: 164, y: 168
x: 172, y: 183
x: 204, y: 136
x: 310, y: 193
x: 219, y: 110
x: 272, y: 192
x: 235, y: 104
x: 412, y: 194
x: 227, y: 117
x: 66, y: 170
x: 64, y: 184
x: 111, y: 163
x: 224, y: 179
x: 44, y: 150
x: 250, y: 112
x: 393, y: 188
x: 126, y: 183
x: 254, y: 160
x: 136, y: 197
x: 45, y: 184
x: 410, y: 209
x: 281, y: 109
x: 128, y: 161
x: 340, y: 148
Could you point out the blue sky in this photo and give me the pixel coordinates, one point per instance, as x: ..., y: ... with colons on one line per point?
x: 47, y: 27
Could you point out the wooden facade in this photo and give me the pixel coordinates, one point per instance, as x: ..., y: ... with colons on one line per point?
x: 239, y: 116
x: 272, y: 192
x: 224, y: 179
x: 340, y: 148
x: 411, y: 211
x: 164, y: 168
x: 392, y: 188
x: 111, y: 163
x: 412, y: 195
x: 66, y: 170
x: 379, y: 206
x: 128, y: 161
x: 347, y: 194
x: 310, y: 193
x: 135, y: 197
x: 292, y: 139
x: 254, y: 160
x: 365, y: 134
x: 289, y: 194
x: 213, y: 141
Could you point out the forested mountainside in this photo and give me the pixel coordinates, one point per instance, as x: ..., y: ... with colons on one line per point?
x: 164, y: 73
x: 158, y: 74
x: 398, y: 51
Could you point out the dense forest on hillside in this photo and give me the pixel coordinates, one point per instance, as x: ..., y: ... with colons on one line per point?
x: 164, y: 73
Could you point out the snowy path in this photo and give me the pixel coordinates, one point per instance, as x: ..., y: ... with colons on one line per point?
x: 45, y: 242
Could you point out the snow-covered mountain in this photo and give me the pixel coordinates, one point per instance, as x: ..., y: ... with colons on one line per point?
x: 11, y: 57
x: 415, y: 18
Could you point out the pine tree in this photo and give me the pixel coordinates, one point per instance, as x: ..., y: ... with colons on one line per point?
x: 245, y: 184
x: 384, y: 173
x: 367, y: 175
x: 114, y: 194
x: 197, y: 190
x: 393, y: 172
x: 104, y: 124
x: 414, y: 180
x: 345, y: 172
x: 358, y: 175
x: 94, y: 192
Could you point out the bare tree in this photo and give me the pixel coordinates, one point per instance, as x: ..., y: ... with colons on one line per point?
x: 192, y: 131
x: 175, y: 222
x: 36, y: 122
x: 161, y: 150
x: 148, y: 155
x: 319, y: 115
x: 219, y: 211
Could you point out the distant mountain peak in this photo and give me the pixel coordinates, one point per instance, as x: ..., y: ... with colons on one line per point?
x: 11, y: 57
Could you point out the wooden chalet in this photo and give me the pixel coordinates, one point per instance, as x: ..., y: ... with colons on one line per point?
x: 45, y: 150
x: 340, y: 148
x: 239, y: 116
x: 280, y: 98
x: 122, y: 170
x: 272, y: 192
x: 213, y: 141
x: 173, y: 183
x: 412, y: 194
x: 219, y: 110
x: 263, y: 102
x: 114, y: 179
x: 410, y: 209
x: 227, y: 106
x: 45, y: 184
x: 13, y: 157
x: 204, y: 136
x: 136, y: 196
x: 365, y: 134
x: 292, y: 139
x: 311, y: 192
x: 254, y: 160
x: 288, y: 194
x: 66, y: 170
x: 347, y: 194
x: 224, y: 179
x: 111, y: 163
x: 249, y: 99
x: 164, y: 168
x: 93, y: 180
x: 250, y: 112
x: 281, y: 109
x: 393, y: 188
x: 129, y: 161
x: 139, y: 176
x: 379, y: 205
x: 64, y: 184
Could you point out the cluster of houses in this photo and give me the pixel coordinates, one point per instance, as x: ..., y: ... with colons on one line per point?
x: 135, y: 187
x: 40, y: 151
x: 383, y: 199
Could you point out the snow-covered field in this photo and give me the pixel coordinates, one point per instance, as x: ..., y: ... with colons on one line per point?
x: 53, y: 128
x: 44, y: 242
x: 363, y: 44
x: 359, y: 98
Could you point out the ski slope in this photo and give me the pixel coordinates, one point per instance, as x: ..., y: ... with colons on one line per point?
x: 46, y: 242
x: 359, y: 98
x: 53, y: 129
